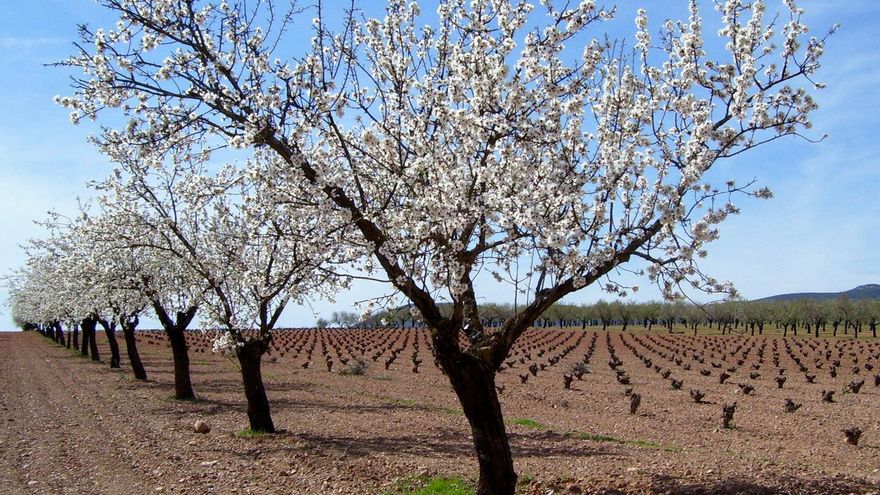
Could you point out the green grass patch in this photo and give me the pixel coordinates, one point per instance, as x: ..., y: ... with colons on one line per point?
x: 527, y: 423
x: 76, y: 352
x: 405, y: 403
x: 249, y: 433
x: 525, y: 479
x: 190, y: 400
x: 644, y: 444
x: 412, y: 404
x: 594, y: 438
x: 421, y: 485
x: 125, y: 377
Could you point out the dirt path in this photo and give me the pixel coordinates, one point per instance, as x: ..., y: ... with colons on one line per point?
x: 58, y: 436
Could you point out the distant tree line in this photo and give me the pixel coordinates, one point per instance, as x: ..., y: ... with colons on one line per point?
x: 841, y: 316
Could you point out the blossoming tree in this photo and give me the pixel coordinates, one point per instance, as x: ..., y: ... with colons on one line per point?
x: 128, y: 277
x: 249, y: 254
x: 501, y: 138
x: 75, y: 276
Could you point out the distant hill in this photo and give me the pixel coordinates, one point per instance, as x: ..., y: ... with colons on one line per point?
x: 868, y: 291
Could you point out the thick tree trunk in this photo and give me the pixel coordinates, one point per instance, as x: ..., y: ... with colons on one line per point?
x: 90, y: 343
x: 110, y: 331
x: 174, y: 328
x: 182, y: 382
x: 76, y: 336
x: 474, y: 383
x: 250, y: 357
x: 59, y: 333
x: 93, y: 343
x: 84, y: 348
x: 137, y: 366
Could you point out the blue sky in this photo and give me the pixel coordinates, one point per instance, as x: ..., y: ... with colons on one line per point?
x: 819, y: 233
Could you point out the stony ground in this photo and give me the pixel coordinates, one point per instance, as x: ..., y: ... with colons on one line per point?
x: 73, y: 426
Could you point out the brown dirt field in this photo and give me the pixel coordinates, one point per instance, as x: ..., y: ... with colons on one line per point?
x: 72, y: 426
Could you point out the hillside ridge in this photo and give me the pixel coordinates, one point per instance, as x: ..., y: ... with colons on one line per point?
x: 865, y: 291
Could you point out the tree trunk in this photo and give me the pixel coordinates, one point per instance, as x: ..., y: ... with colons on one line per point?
x: 175, y: 331
x: 182, y: 382
x: 84, y: 348
x: 93, y: 343
x: 76, y: 336
x: 137, y: 366
x: 90, y: 344
x: 110, y: 331
x: 59, y: 333
x: 474, y: 383
x: 249, y: 357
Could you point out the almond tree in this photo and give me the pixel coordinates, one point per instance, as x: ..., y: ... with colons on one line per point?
x: 115, y: 277
x: 124, y: 277
x: 76, y: 281
x: 31, y: 299
x: 499, y: 138
x: 260, y: 258
x: 250, y: 255
x: 90, y: 286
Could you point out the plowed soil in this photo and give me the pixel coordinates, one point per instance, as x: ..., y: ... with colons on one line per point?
x: 74, y: 426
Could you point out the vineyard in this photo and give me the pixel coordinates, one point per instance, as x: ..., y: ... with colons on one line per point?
x: 362, y: 411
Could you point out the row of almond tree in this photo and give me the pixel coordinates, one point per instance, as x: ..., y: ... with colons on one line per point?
x: 253, y: 167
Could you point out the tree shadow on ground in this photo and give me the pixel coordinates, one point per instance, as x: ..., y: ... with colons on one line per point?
x: 449, y: 443
x: 783, y: 485
x: 437, y: 443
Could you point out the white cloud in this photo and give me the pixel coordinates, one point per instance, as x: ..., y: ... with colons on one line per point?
x: 9, y: 42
